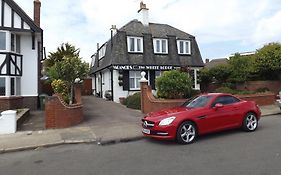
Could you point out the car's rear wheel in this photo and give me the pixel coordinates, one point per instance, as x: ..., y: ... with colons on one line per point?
x: 186, y: 133
x: 250, y: 122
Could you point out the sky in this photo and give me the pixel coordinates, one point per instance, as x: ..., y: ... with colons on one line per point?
x: 221, y: 27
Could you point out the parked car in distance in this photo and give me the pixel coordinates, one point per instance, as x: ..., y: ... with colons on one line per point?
x: 203, y: 114
x: 278, y: 101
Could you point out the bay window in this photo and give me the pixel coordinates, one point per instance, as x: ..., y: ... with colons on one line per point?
x: 2, y: 40
x: 10, y: 86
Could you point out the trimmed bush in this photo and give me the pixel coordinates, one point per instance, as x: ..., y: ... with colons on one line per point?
x: 174, y: 84
x: 134, y: 101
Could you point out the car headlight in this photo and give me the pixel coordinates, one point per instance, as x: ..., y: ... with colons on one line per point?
x: 167, y: 121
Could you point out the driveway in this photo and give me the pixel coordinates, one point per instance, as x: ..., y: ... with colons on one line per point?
x: 99, y: 114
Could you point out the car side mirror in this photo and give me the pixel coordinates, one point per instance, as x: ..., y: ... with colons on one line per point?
x: 218, y: 105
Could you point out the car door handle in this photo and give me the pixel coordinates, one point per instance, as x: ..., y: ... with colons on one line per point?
x: 202, y: 117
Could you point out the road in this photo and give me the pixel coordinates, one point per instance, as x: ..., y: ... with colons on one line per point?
x: 228, y: 153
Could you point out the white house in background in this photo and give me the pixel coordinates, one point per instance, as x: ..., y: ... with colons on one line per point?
x: 21, y: 43
x: 142, y: 46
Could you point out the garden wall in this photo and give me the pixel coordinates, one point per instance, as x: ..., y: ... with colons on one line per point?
x: 260, y: 99
x: 150, y: 104
x: 273, y: 86
x: 58, y: 114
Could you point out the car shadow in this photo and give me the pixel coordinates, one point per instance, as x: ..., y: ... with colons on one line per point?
x: 205, y: 137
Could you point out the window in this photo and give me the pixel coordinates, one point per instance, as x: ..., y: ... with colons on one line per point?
x: 135, y: 44
x: 184, y: 47
x: 160, y: 46
x: 102, y: 51
x: 157, y: 74
x: 15, y: 43
x: 12, y: 83
x: 2, y: 40
x: 225, y: 100
x: 2, y: 86
x: 134, y: 76
x: 197, y: 102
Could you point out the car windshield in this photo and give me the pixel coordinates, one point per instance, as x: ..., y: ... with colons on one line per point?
x: 197, y: 102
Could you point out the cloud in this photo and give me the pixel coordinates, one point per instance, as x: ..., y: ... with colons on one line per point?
x: 244, y: 24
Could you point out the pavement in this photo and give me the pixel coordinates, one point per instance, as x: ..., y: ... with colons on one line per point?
x: 105, y: 122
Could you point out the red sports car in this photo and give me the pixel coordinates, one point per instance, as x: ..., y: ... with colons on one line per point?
x: 201, y: 115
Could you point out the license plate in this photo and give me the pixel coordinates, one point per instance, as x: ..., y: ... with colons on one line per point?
x: 146, y: 131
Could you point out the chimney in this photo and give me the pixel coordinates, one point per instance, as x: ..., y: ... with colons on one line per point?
x: 207, y: 60
x: 144, y: 13
x: 113, y: 30
x: 36, y: 12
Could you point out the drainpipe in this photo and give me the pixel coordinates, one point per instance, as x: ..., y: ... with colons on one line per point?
x: 112, y: 94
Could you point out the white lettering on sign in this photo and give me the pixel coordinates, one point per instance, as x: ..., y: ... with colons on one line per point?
x: 141, y: 67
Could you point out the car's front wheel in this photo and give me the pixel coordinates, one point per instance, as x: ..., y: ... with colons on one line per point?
x: 186, y: 132
x: 250, y: 122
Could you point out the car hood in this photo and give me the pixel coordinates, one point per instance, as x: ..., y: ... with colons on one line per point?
x: 168, y: 112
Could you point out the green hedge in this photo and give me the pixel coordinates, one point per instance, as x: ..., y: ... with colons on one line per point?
x: 134, y: 101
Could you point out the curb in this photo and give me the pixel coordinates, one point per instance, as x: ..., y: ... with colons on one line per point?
x: 62, y: 142
x: 115, y: 141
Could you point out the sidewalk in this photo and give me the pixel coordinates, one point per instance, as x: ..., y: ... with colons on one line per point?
x: 103, y: 130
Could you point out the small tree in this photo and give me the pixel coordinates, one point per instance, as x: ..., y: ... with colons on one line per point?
x: 268, y: 61
x: 64, y: 67
x: 173, y: 84
x: 65, y: 50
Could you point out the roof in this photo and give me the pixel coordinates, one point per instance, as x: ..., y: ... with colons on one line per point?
x: 135, y: 27
x: 216, y: 62
x: 23, y: 15
x: 117, y: 54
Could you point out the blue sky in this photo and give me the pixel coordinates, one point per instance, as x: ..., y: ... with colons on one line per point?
x: 221, y: 27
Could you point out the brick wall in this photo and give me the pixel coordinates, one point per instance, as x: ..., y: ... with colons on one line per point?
x: 149, y: 103
x: 273, y: 86
x: 61, y: 115
x: 260, y: 99
x: 7, y: 103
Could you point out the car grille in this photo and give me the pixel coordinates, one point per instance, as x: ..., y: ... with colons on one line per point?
x: 147, y: 124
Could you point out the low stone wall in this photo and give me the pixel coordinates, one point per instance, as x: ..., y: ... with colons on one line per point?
x: 260, y: 99
x: 150, y: 104
x: 58, y: 114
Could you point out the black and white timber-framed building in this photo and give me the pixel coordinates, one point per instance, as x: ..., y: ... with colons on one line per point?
x: 142, y: 46
x: 21, y: 43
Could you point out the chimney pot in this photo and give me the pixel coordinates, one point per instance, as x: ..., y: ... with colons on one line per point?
x: 207, y: 60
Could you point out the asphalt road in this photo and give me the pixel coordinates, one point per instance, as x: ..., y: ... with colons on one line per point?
x: 229, y: 153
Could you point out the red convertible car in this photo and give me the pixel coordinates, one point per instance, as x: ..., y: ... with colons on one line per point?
x: 201, y: 115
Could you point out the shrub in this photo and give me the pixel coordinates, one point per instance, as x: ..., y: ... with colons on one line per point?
x: 225, y: 90
x: 261, y: 90
x: 60, y: 87
x: 173, y: 84
x: 134, y: 101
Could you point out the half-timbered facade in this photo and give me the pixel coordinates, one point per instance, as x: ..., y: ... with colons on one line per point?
x: 21, y: 41
x: 142, y: 46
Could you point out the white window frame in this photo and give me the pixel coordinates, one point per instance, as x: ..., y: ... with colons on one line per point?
x: 186, y: 49
x: 137, y: 48
x: 160, y: 41
x: 133, y: 75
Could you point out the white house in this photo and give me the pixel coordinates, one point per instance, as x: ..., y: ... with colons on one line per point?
x: 142, y: 46
x: 21, y: 41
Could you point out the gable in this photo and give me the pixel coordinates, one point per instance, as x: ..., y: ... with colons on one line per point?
x: 13, y: 18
